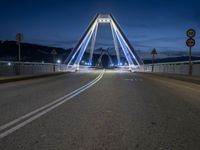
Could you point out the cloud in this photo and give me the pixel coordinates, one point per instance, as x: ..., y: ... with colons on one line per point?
x: 166, y: 39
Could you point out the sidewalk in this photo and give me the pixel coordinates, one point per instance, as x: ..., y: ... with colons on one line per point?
x: 26, y: 77
x: 187, y: 78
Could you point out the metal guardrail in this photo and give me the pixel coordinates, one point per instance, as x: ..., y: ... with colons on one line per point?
x: 8, y: 68
x: 174, y: 67
x: 16, y: 62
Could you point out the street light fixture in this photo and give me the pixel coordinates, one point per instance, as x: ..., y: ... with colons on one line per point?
x: 58, y: 61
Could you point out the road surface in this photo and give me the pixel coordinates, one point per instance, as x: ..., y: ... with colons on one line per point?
x: 110, y: 111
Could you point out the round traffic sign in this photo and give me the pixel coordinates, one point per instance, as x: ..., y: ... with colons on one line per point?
x: 190, y: 42
x: 191, y: 33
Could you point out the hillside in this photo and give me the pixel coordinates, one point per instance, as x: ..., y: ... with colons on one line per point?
x: 39, y: 53
x: 30, y: 52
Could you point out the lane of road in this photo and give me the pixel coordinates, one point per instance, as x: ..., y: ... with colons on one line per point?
x: 19, y: 98
x: 121, y: 111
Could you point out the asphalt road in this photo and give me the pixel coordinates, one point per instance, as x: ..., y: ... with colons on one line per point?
x: 120, y: 111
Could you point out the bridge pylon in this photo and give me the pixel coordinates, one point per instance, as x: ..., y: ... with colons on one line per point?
x: 119, y: 39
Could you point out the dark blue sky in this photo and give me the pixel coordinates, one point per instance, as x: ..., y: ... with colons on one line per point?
x: 147, y: 23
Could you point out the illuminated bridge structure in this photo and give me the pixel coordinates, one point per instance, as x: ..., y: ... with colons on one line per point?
x: 99, y: 62
x: 119, y: 38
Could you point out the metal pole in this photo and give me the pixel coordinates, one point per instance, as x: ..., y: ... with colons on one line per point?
x: 190, y: 61
x: 152, y: 63
x: 19, y: 58
x: 19, y: 53
x: 54, y: 66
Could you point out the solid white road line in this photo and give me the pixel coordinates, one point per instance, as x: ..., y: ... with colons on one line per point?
x: 43, y: 107
x: 48, y: 107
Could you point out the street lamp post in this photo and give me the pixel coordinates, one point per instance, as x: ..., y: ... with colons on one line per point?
x: 153, y: 53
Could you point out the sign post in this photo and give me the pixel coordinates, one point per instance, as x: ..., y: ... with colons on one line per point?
x: 54, y: 52
x: 153, y: 53
x: 190, y: 42
x: 19, y: 38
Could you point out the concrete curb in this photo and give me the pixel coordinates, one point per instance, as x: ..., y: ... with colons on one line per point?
x: 27, y: 77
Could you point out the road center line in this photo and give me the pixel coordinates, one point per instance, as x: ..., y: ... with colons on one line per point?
x: 45, y: 109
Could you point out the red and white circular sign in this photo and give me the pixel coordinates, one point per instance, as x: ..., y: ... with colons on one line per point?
x: 191, y: 33
x: 190, y: 42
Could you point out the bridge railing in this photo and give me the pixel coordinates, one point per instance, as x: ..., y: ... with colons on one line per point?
x: 174, y: 67
x: 25, y: 68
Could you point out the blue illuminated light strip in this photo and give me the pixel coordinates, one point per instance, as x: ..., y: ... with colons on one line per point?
x: 75, y: 54
x: 126, y: 45
x: 78, y: 51
x: 93, y: 44
x: 73, y: 57
x: 133, y: 56
x: 83, y: 48
x: 115, y: 44
x: 126, y: 53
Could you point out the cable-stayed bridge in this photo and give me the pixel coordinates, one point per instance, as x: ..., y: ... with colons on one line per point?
x: 47, y: 106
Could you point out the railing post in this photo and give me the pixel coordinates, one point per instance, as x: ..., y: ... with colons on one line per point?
x: 54, y: 67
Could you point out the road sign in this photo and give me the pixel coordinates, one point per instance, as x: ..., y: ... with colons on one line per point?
x: 190, y: 42
x: 191, y: 33
x: 154, y: 52
x: 19, y: 37
x: 53, y: 52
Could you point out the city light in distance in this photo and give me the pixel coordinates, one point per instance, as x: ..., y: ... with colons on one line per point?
x: 9, y: 64
x: 58, y: 61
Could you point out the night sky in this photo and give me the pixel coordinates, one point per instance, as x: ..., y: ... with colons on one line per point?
x: 147, y: 23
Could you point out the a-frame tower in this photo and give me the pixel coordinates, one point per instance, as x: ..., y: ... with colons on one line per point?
x: 90, y: 34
